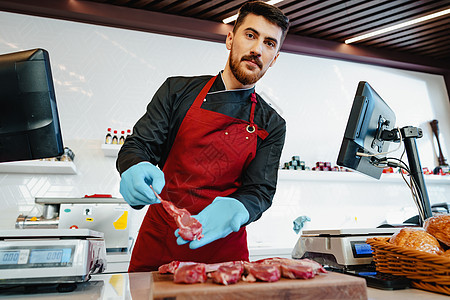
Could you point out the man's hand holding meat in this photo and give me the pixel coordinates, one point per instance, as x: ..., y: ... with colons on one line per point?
x: 223, y: 216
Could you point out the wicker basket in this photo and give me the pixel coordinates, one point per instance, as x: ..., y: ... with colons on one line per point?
x: 428, y: 271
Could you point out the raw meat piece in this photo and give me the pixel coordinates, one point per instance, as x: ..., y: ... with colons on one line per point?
x: 195, y: 273
x: 263, y: 272
x: 189, y: 228
x: 228, y: 274
x: 169, y: 268
x: 172, y: 266
x: 296, y: 271
x: 214, y: 267
x: 315, y: 266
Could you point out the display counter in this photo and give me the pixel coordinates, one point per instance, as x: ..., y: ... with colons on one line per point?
x: 153, y: 286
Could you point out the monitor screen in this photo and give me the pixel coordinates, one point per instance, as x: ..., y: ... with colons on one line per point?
x: 369, y: 117
x: 29, y: 123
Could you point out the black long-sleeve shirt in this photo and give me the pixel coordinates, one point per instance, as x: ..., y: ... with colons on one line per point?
x: 154, y: 134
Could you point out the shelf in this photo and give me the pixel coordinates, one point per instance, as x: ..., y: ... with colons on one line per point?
x: 293, y: 175
x: 39, y: 167
x: 111, y: 149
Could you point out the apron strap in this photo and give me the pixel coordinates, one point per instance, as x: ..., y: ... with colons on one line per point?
x: 252, y: 112
x: 251, y: 128
x: 202, y: 95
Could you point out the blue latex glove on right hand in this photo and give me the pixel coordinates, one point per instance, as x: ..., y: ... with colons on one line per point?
x: 136, y: 181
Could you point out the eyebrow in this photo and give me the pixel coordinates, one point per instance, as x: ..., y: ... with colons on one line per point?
x: 267, y: 38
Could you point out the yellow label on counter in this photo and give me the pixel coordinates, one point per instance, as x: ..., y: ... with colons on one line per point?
x: 122, y: 221
x: 117, y: 283
x: 90, y: 219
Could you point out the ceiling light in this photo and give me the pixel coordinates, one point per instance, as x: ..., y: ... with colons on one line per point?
x: 234, y: 17
x: 398, y: 26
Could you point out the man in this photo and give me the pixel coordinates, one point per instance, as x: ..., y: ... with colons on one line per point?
x: 217, y: 145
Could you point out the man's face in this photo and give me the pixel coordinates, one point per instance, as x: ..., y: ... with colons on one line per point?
x: 253, y: 48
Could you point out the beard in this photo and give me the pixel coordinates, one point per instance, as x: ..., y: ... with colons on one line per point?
x: 239, y: 71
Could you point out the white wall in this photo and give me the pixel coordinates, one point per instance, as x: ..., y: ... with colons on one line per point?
x: 104, y: 77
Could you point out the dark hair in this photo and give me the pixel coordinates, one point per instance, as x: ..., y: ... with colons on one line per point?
x: 271, y: 13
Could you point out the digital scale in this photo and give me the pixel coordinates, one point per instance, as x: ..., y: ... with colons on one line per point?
x: 50, y: 256
x: 346, y: 251
x: 339, y: 248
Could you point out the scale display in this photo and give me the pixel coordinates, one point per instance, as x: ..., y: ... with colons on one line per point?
x: 36, y: 257
x: 9, y: 257
x: 361, y: 249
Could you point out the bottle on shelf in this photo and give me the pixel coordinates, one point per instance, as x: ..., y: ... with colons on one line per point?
x: 108, y: 139
x: 122, y: 137
x: 128, y: 133
x: 115, y: 140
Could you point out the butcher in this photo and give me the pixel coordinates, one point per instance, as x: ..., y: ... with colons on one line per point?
x: 210, y: 145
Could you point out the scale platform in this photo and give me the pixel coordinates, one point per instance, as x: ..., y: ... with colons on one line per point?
x: 339, y: 248
x: 50, y: 256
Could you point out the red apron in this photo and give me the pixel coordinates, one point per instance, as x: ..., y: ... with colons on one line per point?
x: 210, y: 152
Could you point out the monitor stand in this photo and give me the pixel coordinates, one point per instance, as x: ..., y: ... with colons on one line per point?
x: 410, y: 134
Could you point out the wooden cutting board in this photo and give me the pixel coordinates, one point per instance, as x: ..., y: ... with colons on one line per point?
x: 323, y: 286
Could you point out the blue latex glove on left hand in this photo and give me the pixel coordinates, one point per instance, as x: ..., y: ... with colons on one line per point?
x: 223, y: 216
x: 135, y: 184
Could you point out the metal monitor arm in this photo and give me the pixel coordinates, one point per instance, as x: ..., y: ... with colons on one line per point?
x: 409, y: 136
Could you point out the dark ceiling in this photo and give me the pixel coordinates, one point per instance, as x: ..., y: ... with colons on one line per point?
x: 334, y: 20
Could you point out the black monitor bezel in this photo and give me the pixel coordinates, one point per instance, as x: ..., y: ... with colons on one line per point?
x: 363, y: 130
x: 36, y: 132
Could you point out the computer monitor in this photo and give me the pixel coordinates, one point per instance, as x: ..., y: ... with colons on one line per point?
x: 29, y: 122
x: 370, y: 130
x: 369, y: 117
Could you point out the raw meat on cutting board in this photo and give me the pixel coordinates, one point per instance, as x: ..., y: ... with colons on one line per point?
x: 263, y: 272
x: 268, y: 270
x: 173, y: 265
x: 228, y: 273
x: 295, y: 268
x: 195, y: 273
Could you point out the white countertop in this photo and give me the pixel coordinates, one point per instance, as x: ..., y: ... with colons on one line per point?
x: 117, y: 286
x: 406, y: 294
